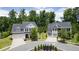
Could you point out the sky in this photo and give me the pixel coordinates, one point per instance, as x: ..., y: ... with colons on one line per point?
x: 58, y: 10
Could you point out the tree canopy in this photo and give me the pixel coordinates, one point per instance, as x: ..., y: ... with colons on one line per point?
x: 42, y: 19
x: 70, y: 14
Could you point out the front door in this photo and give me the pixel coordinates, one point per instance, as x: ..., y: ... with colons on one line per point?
x: 26, y: 36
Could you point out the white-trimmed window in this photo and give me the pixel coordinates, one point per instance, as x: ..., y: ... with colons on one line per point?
x: 26, y: 30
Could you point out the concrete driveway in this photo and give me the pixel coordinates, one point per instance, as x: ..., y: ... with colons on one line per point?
x: 17, y: 41
x: 18, y: 44
x: 51, y: 39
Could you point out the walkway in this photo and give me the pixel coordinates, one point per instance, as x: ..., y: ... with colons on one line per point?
x: 51, y: 39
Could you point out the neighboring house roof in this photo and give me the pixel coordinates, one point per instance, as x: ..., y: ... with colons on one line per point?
x: 77, y: 18
x: 59, y: 25
x: 19, y: 28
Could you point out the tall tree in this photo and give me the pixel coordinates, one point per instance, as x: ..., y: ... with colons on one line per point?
x: 70, y: 15
x: 12, y: 15
x: 22, y: 16
x: 32, y: 15
x: 51, y: 17
x: 43, y: 18
x: 4, y: 24
x: 43, y: 21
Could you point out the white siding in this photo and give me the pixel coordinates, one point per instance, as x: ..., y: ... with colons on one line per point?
x: 54, y: 33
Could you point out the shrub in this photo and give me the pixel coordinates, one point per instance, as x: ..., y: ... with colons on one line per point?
x: 76, y: 37
x: 11, y: 39
x: 45, y: 48
x: 25, y: 39
x: 64, y: 35
x: 62, y: 41
x: 5, y: 34
x: 38, y: 47
x: 50, y: 47
x: 42, y: 29
x: 35, y: 49
x: 41, y: 47
x: 34, y: 36
x: 55, y: 49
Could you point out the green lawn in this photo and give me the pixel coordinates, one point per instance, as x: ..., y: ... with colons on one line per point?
x: 72, y: 41
x: 5, y: 42
x: 42, y: 36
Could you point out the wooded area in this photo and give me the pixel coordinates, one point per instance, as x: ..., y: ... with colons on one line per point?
x: 42, y: 20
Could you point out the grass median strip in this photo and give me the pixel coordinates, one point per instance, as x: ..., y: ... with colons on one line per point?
x: 5, y: 42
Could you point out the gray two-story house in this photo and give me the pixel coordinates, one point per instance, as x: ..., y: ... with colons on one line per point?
x: 22, y: 30
x: 54, y: 27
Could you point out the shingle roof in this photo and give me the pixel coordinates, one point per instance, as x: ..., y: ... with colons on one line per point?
x: 26, y: 24
x: 59, y: 25
x: 16, y: 28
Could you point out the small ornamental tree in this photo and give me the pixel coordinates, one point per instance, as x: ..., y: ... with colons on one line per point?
x: 5, y: 34
x: 35, y: 49
x: 44, y: 47
x: 34, y: 36
x: 38, y: 47
x: 63, y: 35
x: 41, y: 46
x: 50, y: 47
x: 76, y: 37
x: 47, y: 47
x: 55, y: 48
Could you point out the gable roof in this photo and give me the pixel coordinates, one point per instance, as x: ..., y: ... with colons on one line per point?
x: 59, y: 25
x: 26, y: 24
x: 17, y: 28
